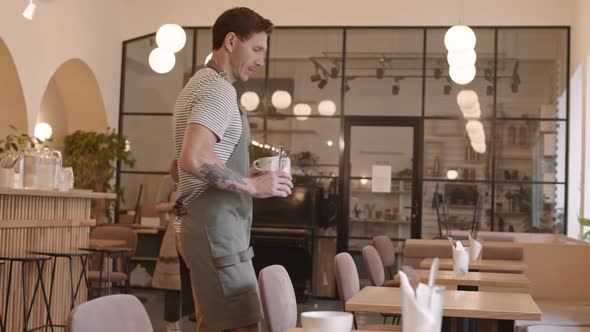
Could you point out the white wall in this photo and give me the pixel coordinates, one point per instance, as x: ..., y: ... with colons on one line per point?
x: 63, y: 30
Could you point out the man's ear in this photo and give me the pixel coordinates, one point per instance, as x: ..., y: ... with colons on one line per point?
x: 230, y: 41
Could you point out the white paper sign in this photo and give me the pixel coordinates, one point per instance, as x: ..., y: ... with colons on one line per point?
x: 381, y: 182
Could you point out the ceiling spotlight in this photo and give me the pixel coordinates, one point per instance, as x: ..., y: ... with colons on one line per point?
x: 329, y: 143
x: 489, y: 90
x: 395, y: 89
x: 30, y: 10
x: 315, y: 78
x: 346, y: 87
x: 437, y: 73
x: 334, y: 72
x: 322, y: 83
x: 514, y: 87
x: 447, y: 89
x: 380, y: 72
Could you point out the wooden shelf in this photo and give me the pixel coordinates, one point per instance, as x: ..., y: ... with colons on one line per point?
x: 378, y: 221
x: 144, y: 259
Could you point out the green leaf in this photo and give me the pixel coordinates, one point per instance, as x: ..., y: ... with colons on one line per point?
x: 584, y: 221
x: 586, y: 236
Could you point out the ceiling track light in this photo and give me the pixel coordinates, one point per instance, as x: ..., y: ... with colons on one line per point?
x: 334, y: 72
x: 322, y: 83
x: 380, y: 72
x: 29, y: 12
x: 437, y: 73
x: 395, y: 89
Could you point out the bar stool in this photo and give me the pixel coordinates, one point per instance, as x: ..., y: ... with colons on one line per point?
x: 108, y: 253
x: 69, y: 255
x: 39, y: 262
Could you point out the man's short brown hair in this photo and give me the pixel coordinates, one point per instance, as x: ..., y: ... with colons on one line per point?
x: 240, y: 20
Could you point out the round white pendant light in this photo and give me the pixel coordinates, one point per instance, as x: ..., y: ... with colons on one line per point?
x: 43, y: 131
x: 462, y: 75
x: 250, y: 100
x: 467, y: 99
x: 452, y: 174
x: 472, y: 113
x: 478, y: 138
x: 281, y: 99
x: 460, y: 38
x: 473, y: 127
x: 461, y: 59
x: 479, y: 148
x: 327, y: 107
x: 161, y: 61
x: 208, y: 57
x: 302, y: 110
x: 171, y: 37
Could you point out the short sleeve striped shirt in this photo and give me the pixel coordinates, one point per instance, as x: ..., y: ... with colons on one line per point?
x: 208, y: 99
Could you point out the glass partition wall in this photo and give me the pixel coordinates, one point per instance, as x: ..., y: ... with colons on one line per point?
x: 367, y: 100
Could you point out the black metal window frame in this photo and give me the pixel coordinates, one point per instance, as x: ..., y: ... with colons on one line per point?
x: 343, y: 118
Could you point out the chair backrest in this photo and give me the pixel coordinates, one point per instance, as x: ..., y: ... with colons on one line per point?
x: 113, y: 313
x: 347, y: 276
x: 385, y: 249
x: 117, y: 233
x: 374, y: 265
x: 278, y: 298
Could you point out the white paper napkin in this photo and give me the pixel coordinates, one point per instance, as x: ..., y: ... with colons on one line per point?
x: 460, y: 260
x: 474, y: 249
x: 422, y: 310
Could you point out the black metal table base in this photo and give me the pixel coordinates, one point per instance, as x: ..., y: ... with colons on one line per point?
x: 27, y: 308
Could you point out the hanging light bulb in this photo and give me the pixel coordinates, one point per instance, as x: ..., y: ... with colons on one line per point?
x: 43, y: 131
x: 473, y: 127
x: 461, y: 59
x: 479, y: 148
x: 478, y: 138
x: 250, y: 100
x: 161, y: 61
x: 460, y: 38
x: 208, y: 57
x: 472, y: 113
x: 281, y: 99
x: 302, y: 111
x: 462, y: 75
x: 467, y: 99
x: 452, y: 174
x: 327, y: 108
x: 30, y: 10
x: 171, y: 37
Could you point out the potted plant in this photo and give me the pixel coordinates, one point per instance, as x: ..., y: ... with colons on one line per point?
x: 93, y: 157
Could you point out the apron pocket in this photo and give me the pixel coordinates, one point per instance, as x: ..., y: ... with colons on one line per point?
x: 236, y: 273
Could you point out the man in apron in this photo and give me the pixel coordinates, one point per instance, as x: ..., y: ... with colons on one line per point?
x: 216, y: 188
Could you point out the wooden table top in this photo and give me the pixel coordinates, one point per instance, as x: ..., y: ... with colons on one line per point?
x: 481, y: 265
x: 479, y: 279
x: 463, y: 304
x: 102, y: 243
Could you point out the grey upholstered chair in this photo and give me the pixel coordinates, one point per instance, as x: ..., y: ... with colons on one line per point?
x: 113, y: 313
x: 386, y: 251
x: 278, y: 298
x: 347, y: 280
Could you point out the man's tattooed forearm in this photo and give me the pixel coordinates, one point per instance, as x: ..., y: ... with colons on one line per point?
x: 221, y: 176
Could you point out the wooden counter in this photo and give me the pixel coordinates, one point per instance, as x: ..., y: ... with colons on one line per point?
x: 41, y: 220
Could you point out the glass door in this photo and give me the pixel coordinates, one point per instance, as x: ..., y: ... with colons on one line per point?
x: 381, y: 181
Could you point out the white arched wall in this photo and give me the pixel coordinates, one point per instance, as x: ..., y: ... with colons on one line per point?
x: 62, y: 30
x: 12, y: 101
x: 73, y: 101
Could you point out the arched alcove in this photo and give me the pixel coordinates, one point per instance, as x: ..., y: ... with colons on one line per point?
x: 73, y: 101
x: 12, y: 100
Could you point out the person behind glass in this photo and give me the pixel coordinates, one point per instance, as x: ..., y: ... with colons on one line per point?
x: 216, y: 184
x: 167, y: 272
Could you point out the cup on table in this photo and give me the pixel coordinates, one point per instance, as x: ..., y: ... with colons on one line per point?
x: 271, y: 164
x: 322, y: 321
x: 461, y: 261
x: 6, y: 177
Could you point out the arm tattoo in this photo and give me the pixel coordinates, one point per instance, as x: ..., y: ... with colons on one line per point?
x: 221, y: 177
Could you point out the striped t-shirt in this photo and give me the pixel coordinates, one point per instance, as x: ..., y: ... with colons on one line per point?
x: 210, y: 100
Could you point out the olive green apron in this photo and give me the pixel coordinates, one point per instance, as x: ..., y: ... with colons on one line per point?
x: 215, y: 233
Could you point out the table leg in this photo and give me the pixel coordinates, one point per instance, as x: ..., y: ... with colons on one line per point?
x: 4, y: 318
x: 83, y: 261
x: 468, y: 324
x: 505, y: 325
x: 40, y: 266
x: 54, y: 259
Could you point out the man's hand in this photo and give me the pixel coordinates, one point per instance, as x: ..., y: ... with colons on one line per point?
x: 271, y: 184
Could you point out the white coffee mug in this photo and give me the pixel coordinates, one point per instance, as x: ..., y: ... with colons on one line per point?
x: 271, y: 164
